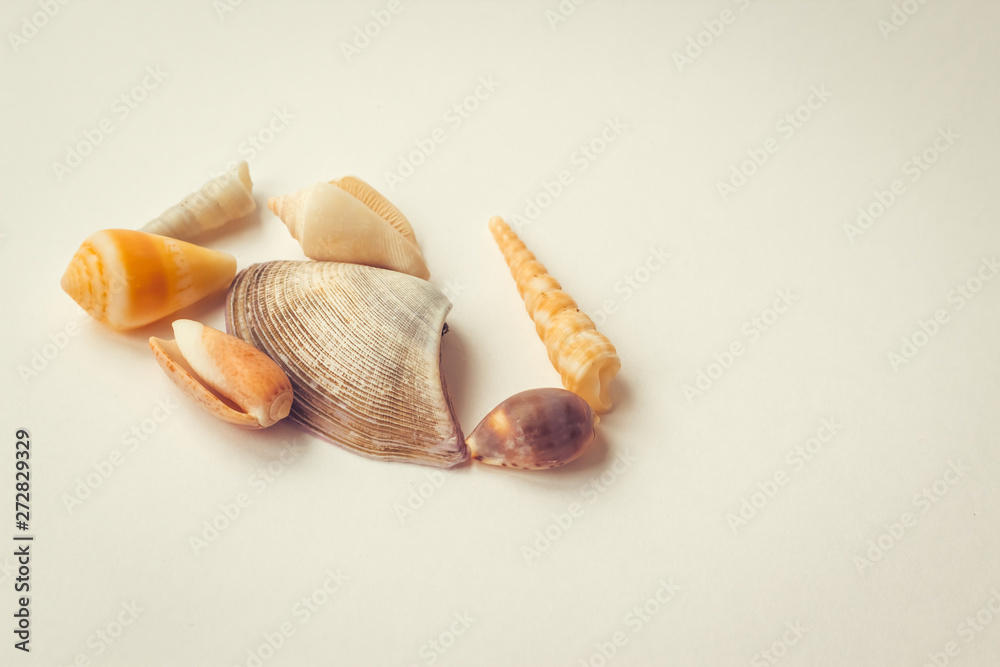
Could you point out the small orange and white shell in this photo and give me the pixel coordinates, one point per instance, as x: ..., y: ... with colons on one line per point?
x: 349, y: 221
x: 126, y: 278
x: 223, y: 373
x: 585, y: 358
x: 228, y: 197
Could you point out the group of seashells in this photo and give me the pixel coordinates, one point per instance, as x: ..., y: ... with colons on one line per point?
x: 348, y: 344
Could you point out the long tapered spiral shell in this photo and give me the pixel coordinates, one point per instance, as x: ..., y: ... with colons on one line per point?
x: 349, y: 221
x: 585, y: 358
x: 227, y: 197
x: 126, y: 278
x: 362, y: 347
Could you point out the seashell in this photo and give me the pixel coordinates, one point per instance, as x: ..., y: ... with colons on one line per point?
x: 585, y: 358
x: 382, y: 207
x: 534, y: 430
x: 220, y: 371
x: 228, y: 197
x: 361, y: 346
x: 126, y: 278
x: 349, y: 221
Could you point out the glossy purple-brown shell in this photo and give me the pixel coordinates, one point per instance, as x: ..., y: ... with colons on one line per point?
x: 534, y: 430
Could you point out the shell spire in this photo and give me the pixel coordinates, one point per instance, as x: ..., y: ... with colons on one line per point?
x: 228, y: 197
x: 585, y: 358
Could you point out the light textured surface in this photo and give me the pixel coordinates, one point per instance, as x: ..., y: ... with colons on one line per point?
x: 877, y: 548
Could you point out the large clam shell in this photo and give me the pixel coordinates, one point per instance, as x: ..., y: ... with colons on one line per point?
x: 361, y: 346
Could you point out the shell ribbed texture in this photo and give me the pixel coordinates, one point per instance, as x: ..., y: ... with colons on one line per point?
x: 381, y: 206
x: 361, y: 346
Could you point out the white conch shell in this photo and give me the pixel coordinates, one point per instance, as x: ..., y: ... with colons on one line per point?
x: 228, y: 197
x: 349, y: 221
x: 362, y: 347
x: 126, y: 278
x: 585, y: 358
x: 211, y: 366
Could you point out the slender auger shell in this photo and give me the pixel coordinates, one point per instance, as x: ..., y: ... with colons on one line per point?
x: 534, y: 430
x: 585, y: 358
x: 362, y: 347
x: 126, y: 278
x: 221, y: 373
x: 348, y: 221
x: 222, y: 199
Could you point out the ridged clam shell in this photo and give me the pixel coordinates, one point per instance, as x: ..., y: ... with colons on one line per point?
x: 126, y: 278
x: 361, y: 346
x: 228, y: 197
x: 349, y: 221
x: 585, y: 358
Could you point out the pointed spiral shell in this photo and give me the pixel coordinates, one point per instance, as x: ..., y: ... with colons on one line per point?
x: 585, y: 358
x: 228, y: 197
x: 349, y: 221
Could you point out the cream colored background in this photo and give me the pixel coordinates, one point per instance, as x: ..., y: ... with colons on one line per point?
x: 693, y: 462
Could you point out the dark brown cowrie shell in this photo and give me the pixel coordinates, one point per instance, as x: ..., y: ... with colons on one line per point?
x: 534, y: 430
